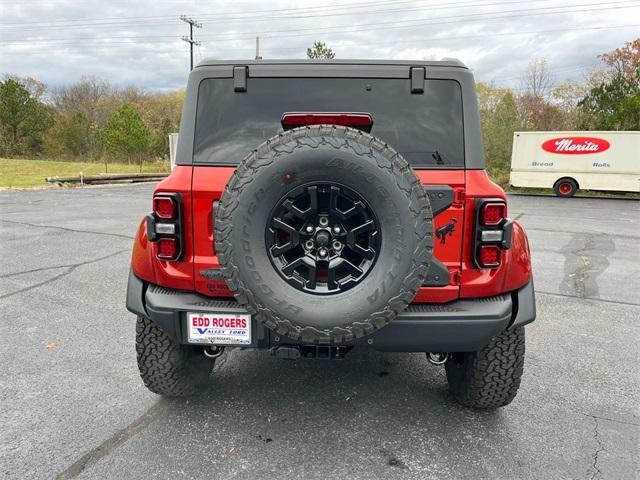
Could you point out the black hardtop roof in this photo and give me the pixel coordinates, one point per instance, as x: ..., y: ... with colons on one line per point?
x: 448, y: 62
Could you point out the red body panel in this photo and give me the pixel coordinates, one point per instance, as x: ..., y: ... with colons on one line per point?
x: 201, y: 186
x: 208, y: 185
x: 179, y: 274
x: 515, y: 269
x: 142, y: 257
x: 448, y: 252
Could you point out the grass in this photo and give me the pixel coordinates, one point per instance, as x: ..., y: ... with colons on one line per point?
x: 25, y: 173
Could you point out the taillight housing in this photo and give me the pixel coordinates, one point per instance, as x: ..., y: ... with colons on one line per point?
x: 168, y: 248
x: 359, y: 120
x: 493, y: 213
x: 164, y: 226
x: 165, y: 207
x: 488, y: 256
x: 492, y: 232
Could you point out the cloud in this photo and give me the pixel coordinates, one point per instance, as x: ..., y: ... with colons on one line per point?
x: 139, y: 43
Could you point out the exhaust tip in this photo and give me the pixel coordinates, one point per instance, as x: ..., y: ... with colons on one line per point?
x: 437, y: 358
x: 213, y: 352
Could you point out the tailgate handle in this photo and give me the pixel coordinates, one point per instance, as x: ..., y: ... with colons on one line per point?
x: 240, y: 75
x: 417, y: 75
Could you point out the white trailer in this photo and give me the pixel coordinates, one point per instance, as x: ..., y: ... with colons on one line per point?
x: 566, y: 161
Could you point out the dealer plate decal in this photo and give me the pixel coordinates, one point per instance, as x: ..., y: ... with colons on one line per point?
x: 219, y: 328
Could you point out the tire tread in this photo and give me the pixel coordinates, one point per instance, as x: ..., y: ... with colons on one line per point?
x: 371, y: 149
x: 167, y: 368
x: 489, y: 378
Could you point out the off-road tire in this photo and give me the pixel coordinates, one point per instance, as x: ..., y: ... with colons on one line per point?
x: 301, y: 316
x: 167, y: 368
x: 565, y: 187
x: 489, y: 378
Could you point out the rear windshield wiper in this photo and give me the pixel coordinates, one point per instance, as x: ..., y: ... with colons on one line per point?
x: 438, y: 158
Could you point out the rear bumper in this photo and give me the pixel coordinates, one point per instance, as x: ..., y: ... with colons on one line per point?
x: 460, y: 326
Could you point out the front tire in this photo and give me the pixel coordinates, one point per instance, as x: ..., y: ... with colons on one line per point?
x: 168, y: 368
x: 489, y: 378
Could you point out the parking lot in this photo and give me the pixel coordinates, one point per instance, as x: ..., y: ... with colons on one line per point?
x: 73, y: 406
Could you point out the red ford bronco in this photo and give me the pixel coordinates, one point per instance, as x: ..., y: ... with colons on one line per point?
x: 320, y: 205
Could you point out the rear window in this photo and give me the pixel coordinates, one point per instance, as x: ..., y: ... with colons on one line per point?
x: 425, y: 128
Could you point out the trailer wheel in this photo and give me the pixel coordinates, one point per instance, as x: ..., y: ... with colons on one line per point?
x: 565, y: 187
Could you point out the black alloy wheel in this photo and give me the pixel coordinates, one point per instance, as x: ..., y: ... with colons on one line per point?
x: 323, y: 238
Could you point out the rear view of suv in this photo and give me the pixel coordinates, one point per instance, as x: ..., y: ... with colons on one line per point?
x: 321, y: 205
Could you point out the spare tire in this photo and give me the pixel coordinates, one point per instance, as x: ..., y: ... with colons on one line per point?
x: 324, y: 234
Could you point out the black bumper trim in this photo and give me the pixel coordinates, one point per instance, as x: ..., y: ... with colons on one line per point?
x: 460, y: 326
x: 135, y: 295
x: 524, y: 305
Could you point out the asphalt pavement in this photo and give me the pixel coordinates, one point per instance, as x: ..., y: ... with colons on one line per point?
x: 72, y: 404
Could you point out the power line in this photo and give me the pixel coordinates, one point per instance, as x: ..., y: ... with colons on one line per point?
x: 218, y: 15
x: 347, y: 29
x: 417, y: 40
x: 454, y: 19
x: 106, y: 46
x: 213, y: 18
x: 451, y: 5
x: 192, y: 23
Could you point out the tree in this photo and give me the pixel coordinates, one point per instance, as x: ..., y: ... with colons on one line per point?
x: 566, y: 97
x: 320, y: 50
x: 89, y: 96
x: 614, y: 104
x: 536, y: 113
x: 35, y: 88
x: 73, y: 136
x: 126, y: 134
x: 536, y: 109
x: 160, y: 139
x: 538, y: 81
x: 497, y: 133
x: 23, y: 119
x: 624, y: 61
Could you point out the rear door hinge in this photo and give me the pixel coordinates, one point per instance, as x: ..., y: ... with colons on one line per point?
x: 455, y: 277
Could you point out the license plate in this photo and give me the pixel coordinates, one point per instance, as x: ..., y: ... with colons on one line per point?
x: 219, y: 328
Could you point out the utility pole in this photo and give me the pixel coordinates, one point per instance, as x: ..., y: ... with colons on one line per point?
x: 192, y: 23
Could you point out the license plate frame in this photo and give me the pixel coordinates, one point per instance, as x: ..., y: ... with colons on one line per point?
x: 219, y: 328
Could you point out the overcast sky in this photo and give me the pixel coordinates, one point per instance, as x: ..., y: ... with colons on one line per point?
x: 139, y: 42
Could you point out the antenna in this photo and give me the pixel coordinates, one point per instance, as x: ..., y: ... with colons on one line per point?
x: 258, y: 57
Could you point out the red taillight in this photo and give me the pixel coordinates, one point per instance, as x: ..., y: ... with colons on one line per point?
x: 492, y: 232
x: 493, y: 213
x: 164, y: 226
x: 168, y: 248
x: 298, y: 119
x: 165, y: 208
x: 489, y: 256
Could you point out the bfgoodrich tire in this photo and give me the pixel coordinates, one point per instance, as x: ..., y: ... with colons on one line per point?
x: 491, y: 377
x: 311, y: 301
x: 167, y: 368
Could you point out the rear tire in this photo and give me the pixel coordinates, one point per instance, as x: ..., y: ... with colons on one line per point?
x: 565, y: 187
x: 167, y: 368
x: 489, y: 378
